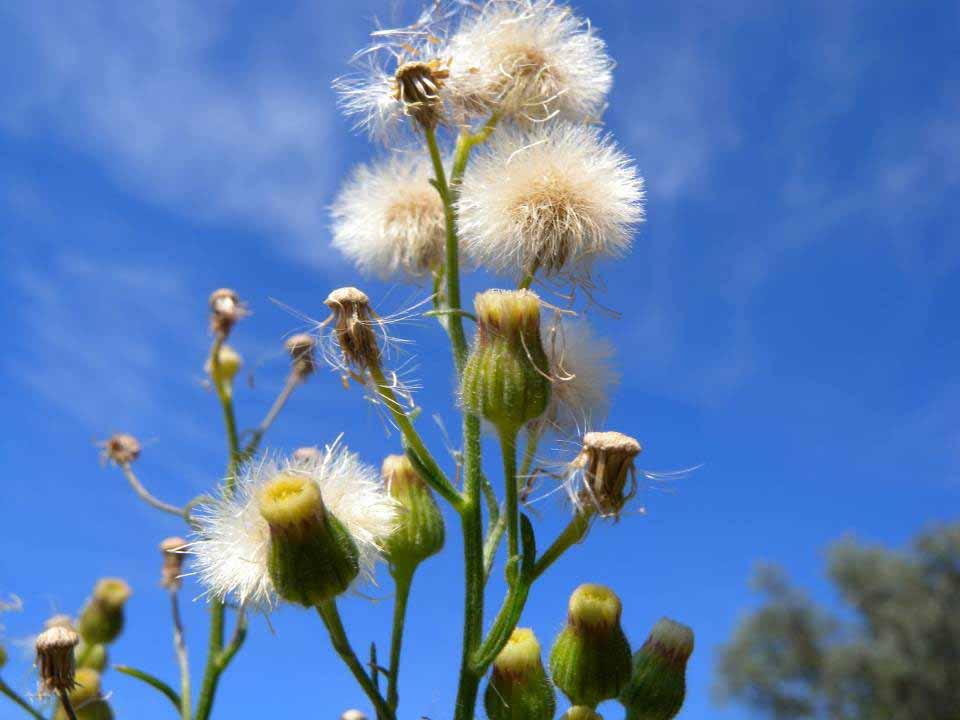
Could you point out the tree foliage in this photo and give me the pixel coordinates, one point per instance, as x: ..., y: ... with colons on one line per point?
x: 894, y: 656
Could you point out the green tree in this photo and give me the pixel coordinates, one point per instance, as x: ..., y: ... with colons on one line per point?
x: 894, y: 656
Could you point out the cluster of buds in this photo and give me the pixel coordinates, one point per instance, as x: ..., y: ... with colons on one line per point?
x: 590, y: 660
x: 519, y: 688
x: 581, y: 712
x: 121, y: 449
x: 225, y: 311
x: 172, y: 569
x: 505, y: 379
x: 312, y: 557
x: 420, y: 530
x: 56, y: 663
x: 302, y: 350
x: 102, y: 618
x: 657, y: 686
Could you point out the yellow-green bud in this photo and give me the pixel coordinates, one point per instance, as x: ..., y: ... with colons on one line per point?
x: 420, y: 531
x: 354, y: 322
x: 85, y: 698
x: 606, y: 462
x: 91, y: 656
x: 229, y: 363
x: 312, y: 557
x: 3, y: 656
x: 56, y: 663
x: 506, y: 377
x: 657, y: 685
x: 519, y: 688
x: 590, y: 660
x: 101, y: 620
x: 579, y: 712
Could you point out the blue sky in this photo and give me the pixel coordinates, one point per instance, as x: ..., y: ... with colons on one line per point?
x: 788, y: 312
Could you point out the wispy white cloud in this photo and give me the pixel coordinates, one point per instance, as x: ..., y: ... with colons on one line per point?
x: 150, y: 89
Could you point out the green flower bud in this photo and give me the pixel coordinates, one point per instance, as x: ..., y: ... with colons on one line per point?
x: 101, y: 620
x: 519, y: 688
x: 505, y: 379
x: 91, y: 656
x: 420, y: 531
x: 658, y: 685
x: 3, y: 656
x: 85, y: 698
x: 590, y: 660
x: 229, y: 363
x: 579, y: 712
x: 312, y: 557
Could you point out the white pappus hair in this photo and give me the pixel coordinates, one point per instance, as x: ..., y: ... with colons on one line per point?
x: 232, y: 542
x: 389, y: 220
x: 582, y: 373
x: 529, y: 61
x: 552, y: 201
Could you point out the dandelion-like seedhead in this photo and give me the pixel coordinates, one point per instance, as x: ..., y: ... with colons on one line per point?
x: 581, y: 371
x: 389, y: 220
x: 550, y: 201
x: 528, y: 61
x: 400, y: 77
x: 232, y: 543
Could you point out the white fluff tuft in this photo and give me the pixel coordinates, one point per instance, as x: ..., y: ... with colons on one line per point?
x: 582, y: 373
x: 550, y: 201
x: 388, y: 219
x: 233, y: 539
x: 529, y: 61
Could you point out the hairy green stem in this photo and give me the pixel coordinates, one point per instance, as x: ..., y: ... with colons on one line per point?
x: 434, y: 475
x: 66, y: 704
x: 12, y: 694
x: 471, y: 521
x: 402, y: 580
x: 508, y: 450
x: 338, y: 636
x: 573, y: 533
x: 180, y: 646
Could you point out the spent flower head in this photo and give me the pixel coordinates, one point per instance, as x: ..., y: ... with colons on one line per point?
x: 233, y: 543
x: 389, y: 219
x: 602, y: 476
x: 226, y: 310
x: 302, y: 349
x: 55, y: 658
x: 551, y: 201
x: 120, y: 448
x: 171, y: 550
x: 528, y: 61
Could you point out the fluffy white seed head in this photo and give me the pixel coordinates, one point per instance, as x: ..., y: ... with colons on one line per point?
x: 389, y: 220
x: 400, y: 77
x: 550, y: 201
x: 233, y: 539
x: 582, y: 373
x: 530, y: 61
